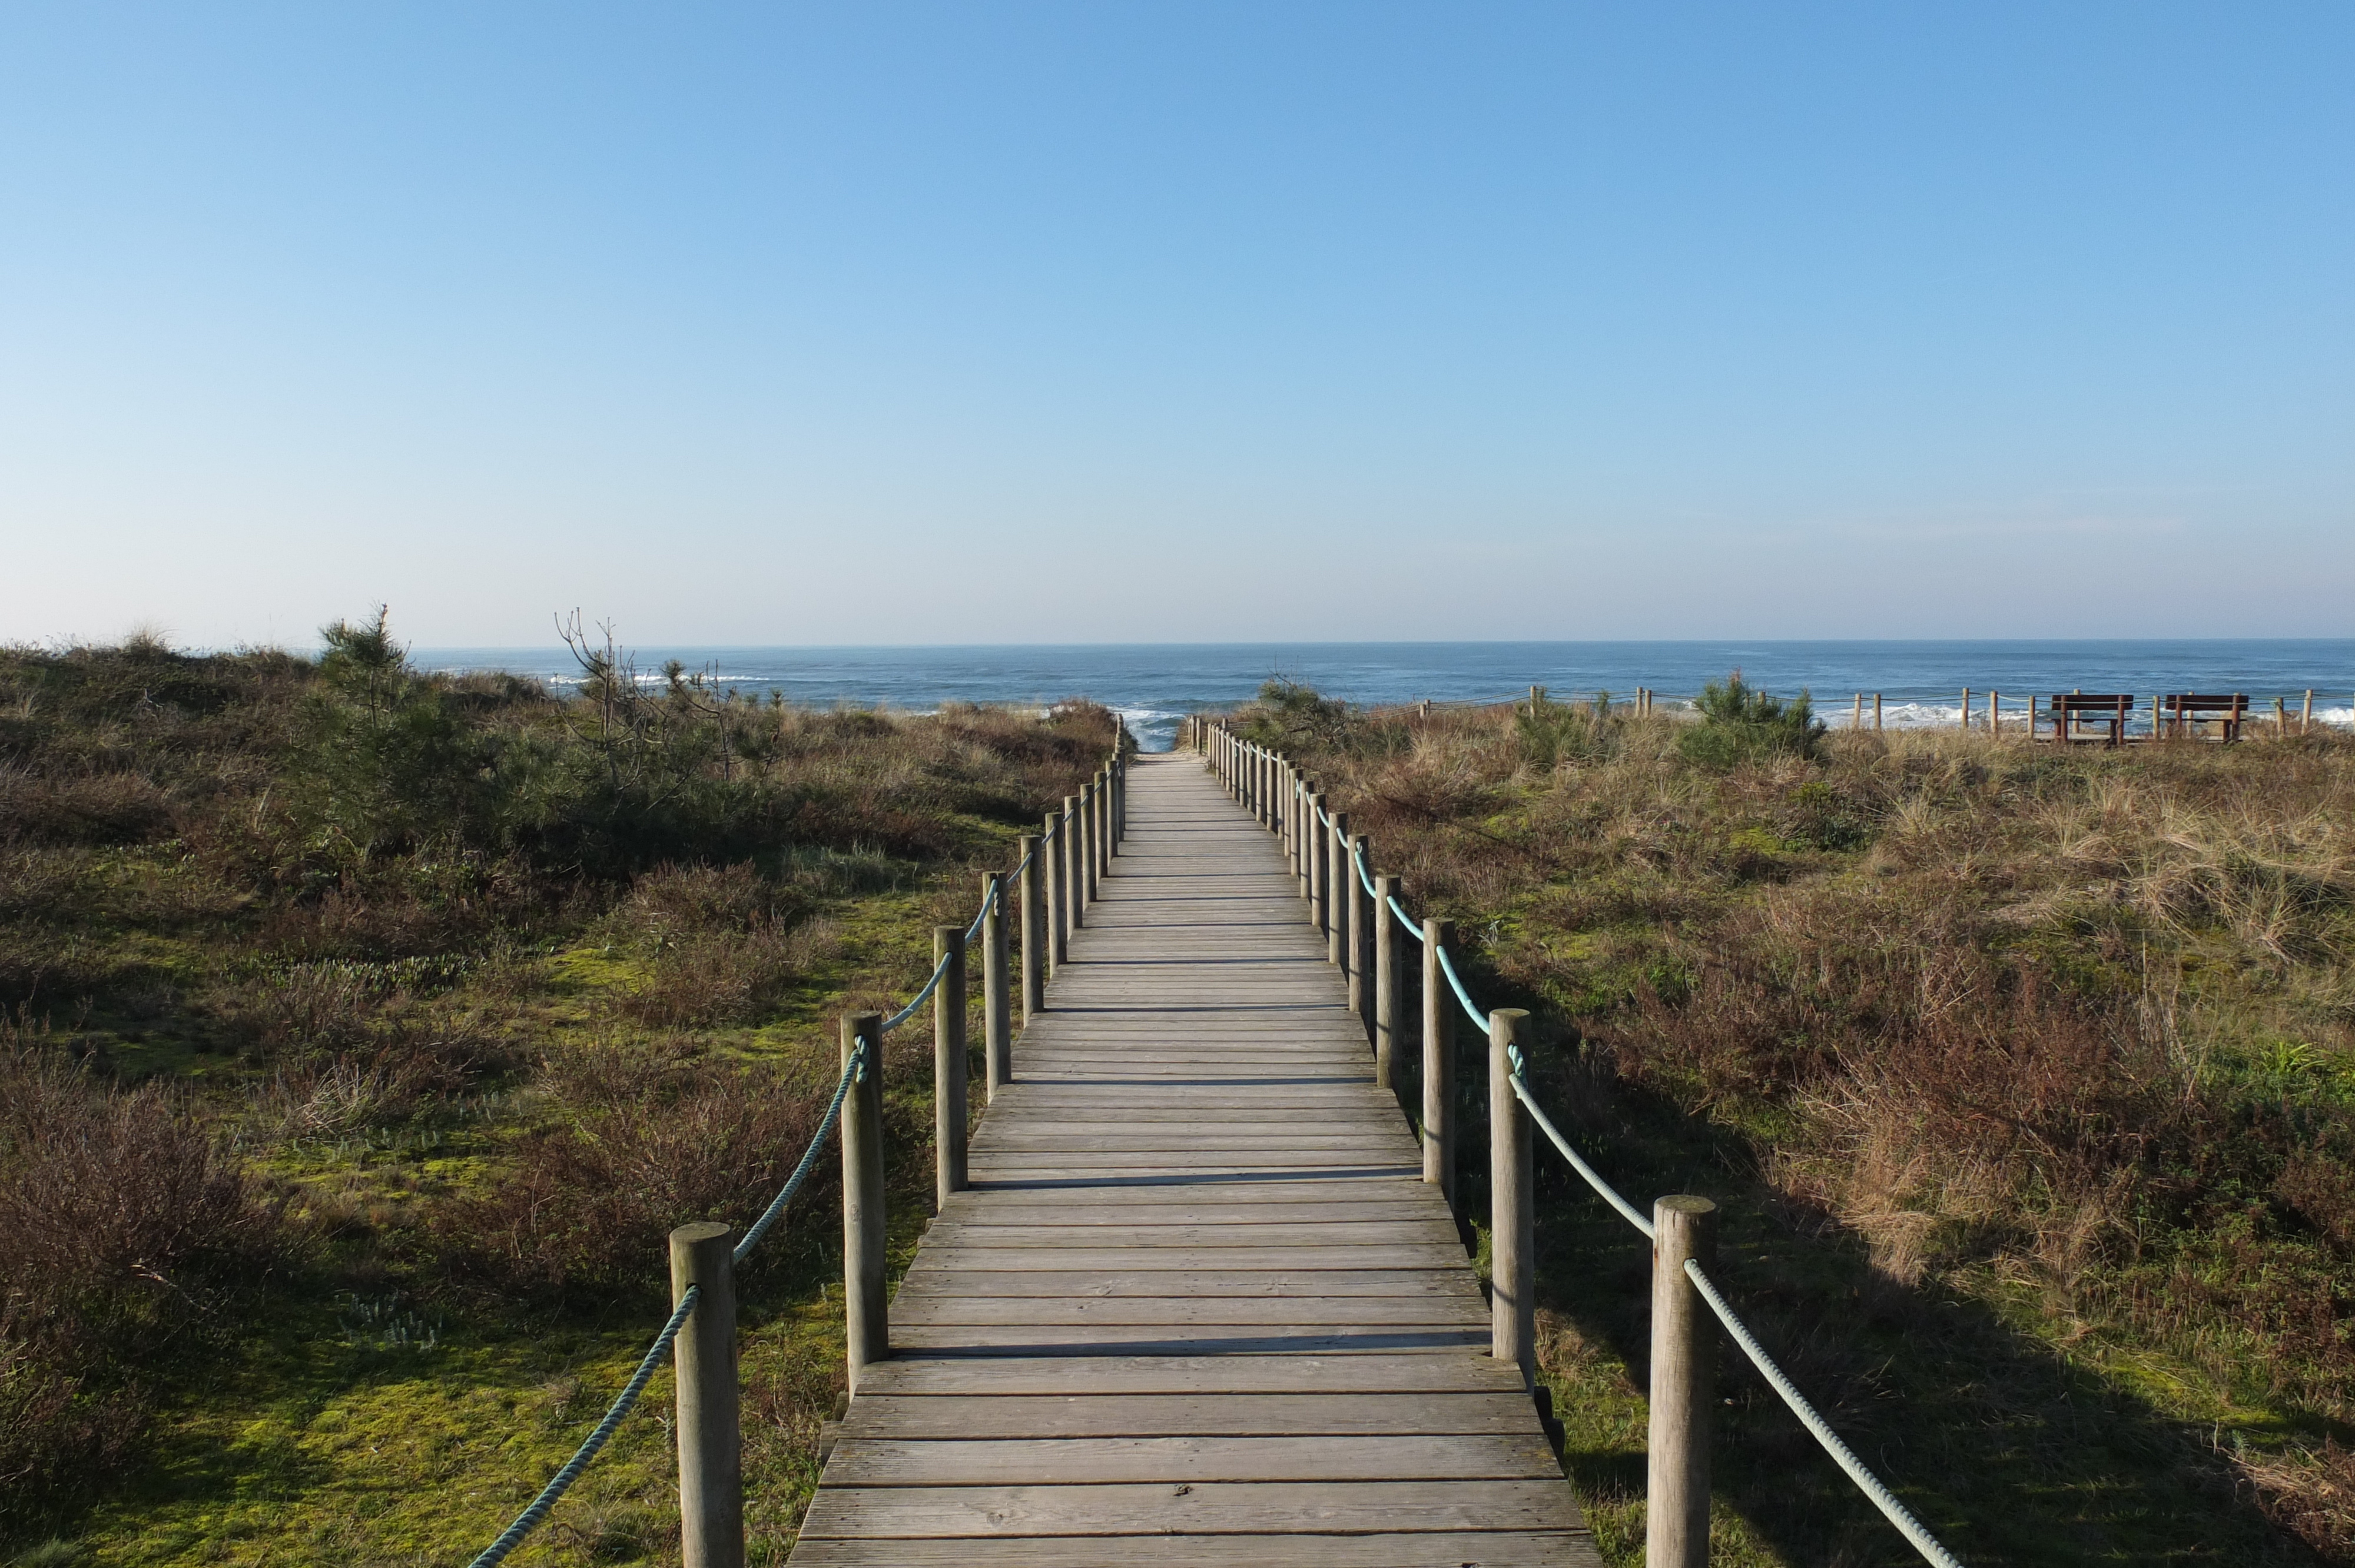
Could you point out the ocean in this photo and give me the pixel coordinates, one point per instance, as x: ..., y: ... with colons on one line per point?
x: 1152, y: 685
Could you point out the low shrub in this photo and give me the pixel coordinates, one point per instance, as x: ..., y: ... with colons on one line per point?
x: 1740, y: 723
x: 653, y: 1137
x: 122, y: 1227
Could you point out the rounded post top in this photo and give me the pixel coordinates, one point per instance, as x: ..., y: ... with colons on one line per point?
x: 1682, y: 1203
x: 700, y: 1231
x: 948, y: 938
x: 1386, y: 884
x: 1438, y: 931
x: 1505, y: 1023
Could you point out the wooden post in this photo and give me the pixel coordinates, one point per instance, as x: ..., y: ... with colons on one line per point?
x: 996, y: 1005
x: 1074, y: 870
x: 948, y: 1065
x: 1361, y: 933
x: 1305, y: 852
x: 1084, y: 841
x: 710, y: 1454
x: 1876, y: 713
x: 1512, y: 1205
x: 1857, y: 722
x: 1438, y: 1063
x: 1034, y: 928
x: 2306, y: 715
x: 1967, y: 710
x: 864, y: 1309
x: 1288, y: 792
x: 1100, y: 820
x: 1336, y: 894
x: 1051, y: 883
x: 2281, y: 716
x: 1386, y: 947
x: 1684, y: 1379
x: 1320, y: 850
x: 1995, y: 714
x: 1098, y: 788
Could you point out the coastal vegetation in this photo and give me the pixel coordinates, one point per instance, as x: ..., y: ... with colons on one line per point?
x: 2025, y: 1074
x: 364, y: 1031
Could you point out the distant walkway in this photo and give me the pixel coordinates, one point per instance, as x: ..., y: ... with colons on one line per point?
x: 1198, y: 1305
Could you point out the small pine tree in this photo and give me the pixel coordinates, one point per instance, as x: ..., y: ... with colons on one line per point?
x: 1741, y: 724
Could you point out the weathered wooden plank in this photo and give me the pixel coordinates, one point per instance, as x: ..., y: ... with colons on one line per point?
x: 1097, y: 1372
x: 1062, y: 1258
x: 1179, y: 1229
x: 1235, y: 1340
x: 1205, y: 1312
x: 1071, y: 1461
x: 930, y: 1278
x: 1210, y: 1508
x: 1208, y: 1211
x: 1025, y: 1416
x: 1487, y: 1548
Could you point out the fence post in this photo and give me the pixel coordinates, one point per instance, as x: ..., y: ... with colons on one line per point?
x: 864, y: 1309
x: 1336, y: 892
x: 1512, y: 1205
x: 1034, y: 928
x: 1438, y: 1063
x: 1074, y: 882
x: 996, y: 1006
x: 1292, y: 821
x: 1361, y: 932
x: 710, y: 1455
x: 948, y: 1065
x: 1059, y: 921
x: 1090, y: 841
x: 1684, y: 1368
x: 1318, y: 851
x: 1386, y: 949
x: 1104, y: 822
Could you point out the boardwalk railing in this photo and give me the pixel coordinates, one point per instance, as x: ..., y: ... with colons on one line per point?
x: 1056, y: 880
x: 1365, y: 924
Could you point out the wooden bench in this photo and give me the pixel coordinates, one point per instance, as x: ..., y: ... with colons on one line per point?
x: 2079, y: 715
x: 2184, y: 713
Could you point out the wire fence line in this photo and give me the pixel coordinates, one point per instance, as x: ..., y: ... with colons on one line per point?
x: 854, y: 1070
x: 1875, y: 1490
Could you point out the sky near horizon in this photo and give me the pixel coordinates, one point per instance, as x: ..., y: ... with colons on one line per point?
x: 1031, y: 322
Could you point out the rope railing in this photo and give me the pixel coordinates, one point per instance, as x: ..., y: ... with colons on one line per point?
x: 561, y: 1482
x: 1896, y: 1512
x: 1875, y: 1490
x: 856, y: 1070
x: 1455, y: 983
x: 1406, y: 921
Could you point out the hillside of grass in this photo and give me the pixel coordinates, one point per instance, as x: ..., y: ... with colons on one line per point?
x: 2025, y: 1075
x: 363, y: 1033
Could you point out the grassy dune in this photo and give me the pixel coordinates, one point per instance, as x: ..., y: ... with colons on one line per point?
x: 2026, y: 1078
x: 365, y: 1034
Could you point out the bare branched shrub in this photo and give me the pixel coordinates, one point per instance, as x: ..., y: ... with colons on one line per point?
x: 120, y: 1223
x: 653, y: 1137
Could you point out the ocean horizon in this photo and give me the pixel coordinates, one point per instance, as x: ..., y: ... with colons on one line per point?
x: 1152, y: 685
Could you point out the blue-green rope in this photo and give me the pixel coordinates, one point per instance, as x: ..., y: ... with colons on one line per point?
x: 1447, y: 967
x: 1406, y: 921
x: 850, y: 1070
x: 909, y: 1012
x: 1603, y: 1189
x: 561, y: 1482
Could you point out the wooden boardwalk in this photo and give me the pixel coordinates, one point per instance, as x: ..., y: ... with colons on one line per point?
x: 1198, y: 1305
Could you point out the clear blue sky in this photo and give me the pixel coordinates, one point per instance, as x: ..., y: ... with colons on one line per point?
x: 1025, y: 322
